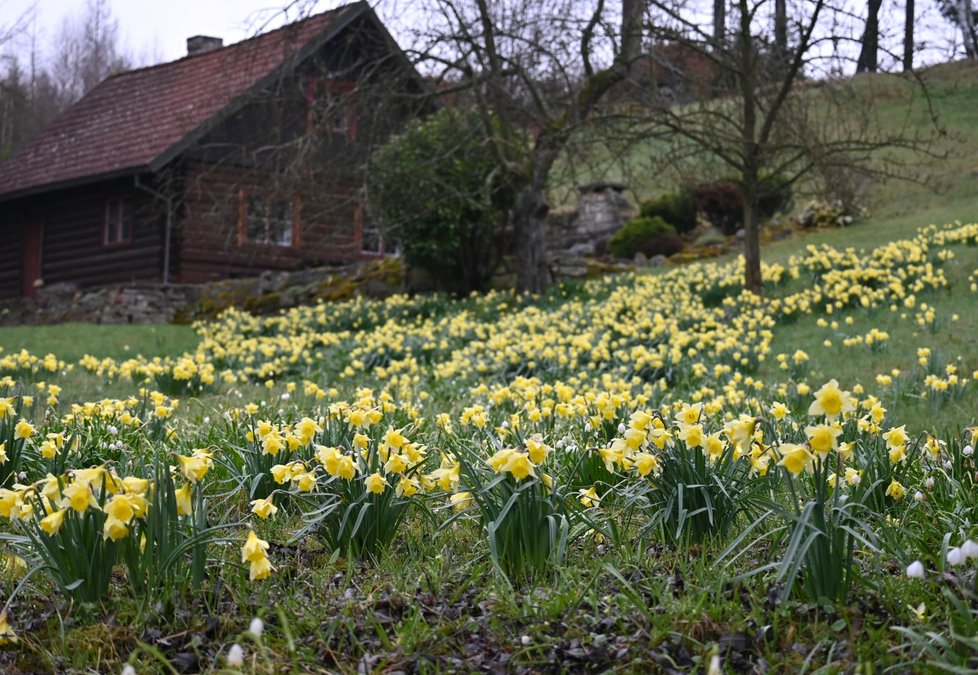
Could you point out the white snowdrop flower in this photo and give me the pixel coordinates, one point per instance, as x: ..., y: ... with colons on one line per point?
x: 955, y: 556
x: 505, y: 424
x: 257, y: 627
x: 621, y: 428
x: 715, y: 667
x: 967, y: 451
x: 286, y: 396
x: 601, y: 549
x: 587, y: 427
x: 560, y: 443
x: 22, y: 475
x: 918, y: 496
x: 525, y: 639
x: 207, y: 419
x: 113, y: 431
x: 236, y: 656
x: 915, y: 570
x: 929, y: 482
x: 128, y: 670
x: 970, y: 549
x: 948, y: 465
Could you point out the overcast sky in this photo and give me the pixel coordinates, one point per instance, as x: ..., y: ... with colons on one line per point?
x: 157, y: 30
x: 153, y: 31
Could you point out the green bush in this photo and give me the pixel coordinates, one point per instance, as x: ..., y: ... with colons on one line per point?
x: 678, y: 209
x: 629, y: 239
x: 722, y: 201
x: 433, y: 192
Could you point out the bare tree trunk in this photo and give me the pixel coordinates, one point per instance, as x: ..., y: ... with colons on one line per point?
x: 752, y: 239
x: 966, y: 19
x: 530, y: 216
x: 749, y: 151
x: 869, y: 54
x: 781, y: 29
x: 908, y: 37
x: 719, y: 21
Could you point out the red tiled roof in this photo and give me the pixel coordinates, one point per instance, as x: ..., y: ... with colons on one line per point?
x: 131, y: 119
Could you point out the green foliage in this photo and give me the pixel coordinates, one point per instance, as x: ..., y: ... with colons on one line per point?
x: 678, y: 209
x: 629, y: 239
x: 437, y: 194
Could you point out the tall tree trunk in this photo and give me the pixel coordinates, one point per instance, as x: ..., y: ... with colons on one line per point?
x: 908, y: 37
x: 752, y: 238
x: 781, y: 30
x: 530, y: 225
x: 869, y: 54
x: 719, y: 21
x: 749, y: 151
x: 966, y: 19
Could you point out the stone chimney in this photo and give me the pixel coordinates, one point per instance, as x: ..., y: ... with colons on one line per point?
x: 201, y: 44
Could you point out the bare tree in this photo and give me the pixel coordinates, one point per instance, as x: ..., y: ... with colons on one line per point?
x: 869, y: 52
x: 908, y: 45
x: 536, y: 72
x: 87, y: 52
x: 768, y: 121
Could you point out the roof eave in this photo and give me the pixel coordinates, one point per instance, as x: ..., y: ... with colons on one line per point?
x: 80, y: 181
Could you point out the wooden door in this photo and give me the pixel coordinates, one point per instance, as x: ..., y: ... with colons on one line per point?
x: 30, y: 270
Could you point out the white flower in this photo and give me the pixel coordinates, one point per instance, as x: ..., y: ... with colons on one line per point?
x: 955, y: 556
x: 525, y: 639
x: 505, y: 424
x: 918, y: 496
x: 113, y: 431
x: 285, y: 396
x: 621, y: 428
x: 715, y: 668
x: 929, y: 482
x: 257, y: 626
x: 967, y: 451
x: 915, y: 570
x: 970, y: 549
x: 948, y: 465
x: 128, y: 670
x: 236, y: 656
x: 587, y: 428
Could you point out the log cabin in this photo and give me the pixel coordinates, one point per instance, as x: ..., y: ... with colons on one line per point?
x: 228, y: 162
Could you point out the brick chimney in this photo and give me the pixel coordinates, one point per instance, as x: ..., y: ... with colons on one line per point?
x: 201, y: 44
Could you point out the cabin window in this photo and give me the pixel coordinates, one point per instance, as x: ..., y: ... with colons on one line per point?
x: 331, y: 107
x: 117, y: 228
x: 269, y: 221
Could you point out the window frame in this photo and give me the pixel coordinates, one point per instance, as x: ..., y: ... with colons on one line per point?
x: 345, y: 91
x: 245, y: 200
x: 112, y: 219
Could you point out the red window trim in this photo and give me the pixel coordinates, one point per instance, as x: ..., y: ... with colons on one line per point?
x: 346, y: 88
x: 119, y: 243
x: 243, y: 196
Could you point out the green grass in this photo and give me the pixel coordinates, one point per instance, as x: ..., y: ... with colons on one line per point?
x: 72, y: 341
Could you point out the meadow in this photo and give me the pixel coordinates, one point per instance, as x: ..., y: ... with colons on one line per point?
x: 642, y: 472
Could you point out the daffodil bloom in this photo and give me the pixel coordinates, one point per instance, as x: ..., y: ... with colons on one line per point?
x: 779, y: 411
x: 23, y: 430
x: 305, y: 481
x: 375, y: 483
x: 114, y: 529
x: 184, y: 501
x: 253, y: 548
x: 537, y: 449
x: 795, y: 458
x: 259, y: 569
x: 519, y: 466
x: 53, y: 522
x: 589, y: 497
x: 194, y: 468
x: 120, y: 507
x: 645, y: 463
x: 407, y: 487
x: 345, y: 467
x: 7, y: 635
x: 461, y: 501
x: 896, y: 490
x: 822, y: 438
x: 79, y: 497
x: 263, y: 508
x: 831, y: 401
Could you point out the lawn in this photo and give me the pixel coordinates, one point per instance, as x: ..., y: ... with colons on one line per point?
x: 648, y: 472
